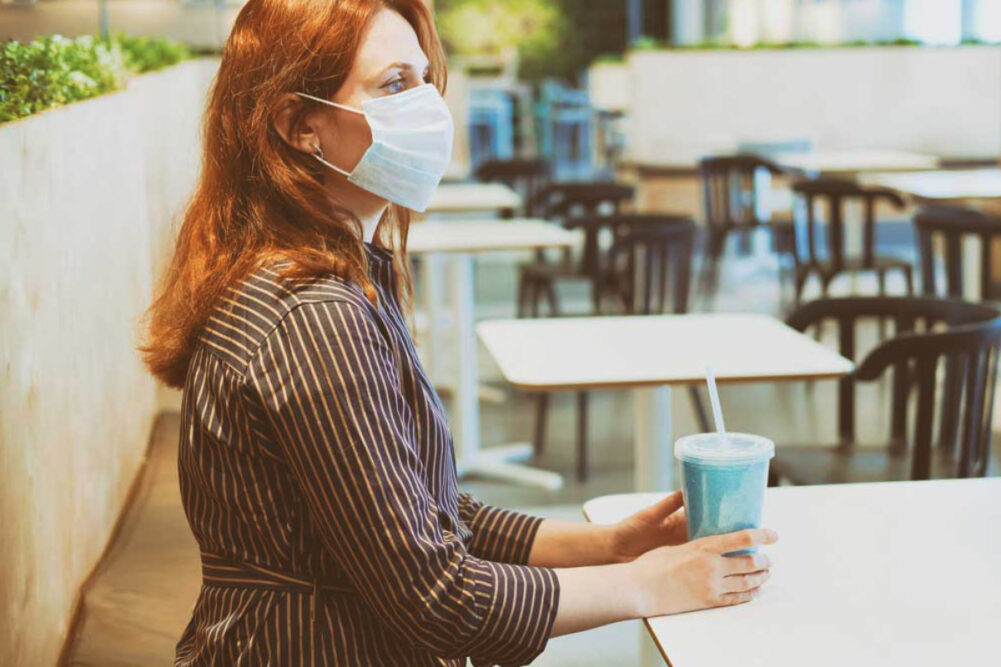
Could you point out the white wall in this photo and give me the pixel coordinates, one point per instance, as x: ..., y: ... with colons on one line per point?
x: 87, y: 196
x: 945, y: 101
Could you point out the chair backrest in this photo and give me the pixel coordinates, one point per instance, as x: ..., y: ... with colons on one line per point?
x: 951, y: 226
x: 836, y: 193
x: 729, y: 189
x: 570, y: 201
x: 962, y: 337
x: 650, y: 253
x: 526, y: 176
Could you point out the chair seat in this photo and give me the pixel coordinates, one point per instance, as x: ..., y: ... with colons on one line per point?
x: 879, y: 263
x: 840, y: 465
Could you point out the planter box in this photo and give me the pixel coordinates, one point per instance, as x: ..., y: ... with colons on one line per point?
x: 87, y: 192
x: 938, y: 100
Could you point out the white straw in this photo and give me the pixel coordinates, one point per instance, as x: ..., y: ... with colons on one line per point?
x: 714, y: 399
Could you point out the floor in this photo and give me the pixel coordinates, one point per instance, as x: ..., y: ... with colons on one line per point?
x: 143, y: 593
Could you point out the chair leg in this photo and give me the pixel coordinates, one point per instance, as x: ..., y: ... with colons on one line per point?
x: 582, y: 436
x: 522, y: 295
x: 881, y: 281
x: 541, y: 417
x: 800, y: 276
x: 700, y: 409
x: 909, y: 278
x: 554, y: 303
x: 535, y: 298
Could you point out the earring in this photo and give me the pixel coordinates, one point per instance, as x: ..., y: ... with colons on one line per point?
x: 317, y: 151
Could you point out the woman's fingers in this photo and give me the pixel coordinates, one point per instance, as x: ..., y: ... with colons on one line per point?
x: 742, y: 539
x: 739, y: 598
x: 746, y: 563
x: 666, y: 507
x: 741, y: 583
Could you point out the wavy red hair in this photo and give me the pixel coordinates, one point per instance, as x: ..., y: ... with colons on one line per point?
x: 257, y: 198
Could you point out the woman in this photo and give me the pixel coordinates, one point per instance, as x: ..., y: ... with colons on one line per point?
x: 316, y: 465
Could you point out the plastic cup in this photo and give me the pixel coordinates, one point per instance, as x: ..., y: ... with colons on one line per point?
x: 724, y: 477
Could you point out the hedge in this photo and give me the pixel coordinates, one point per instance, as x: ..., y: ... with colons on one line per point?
x: 56, y: 70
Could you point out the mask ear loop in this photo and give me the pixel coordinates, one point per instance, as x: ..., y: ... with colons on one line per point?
x: 317, y: 151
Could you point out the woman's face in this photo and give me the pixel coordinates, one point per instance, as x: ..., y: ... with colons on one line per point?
x: 389, y: 61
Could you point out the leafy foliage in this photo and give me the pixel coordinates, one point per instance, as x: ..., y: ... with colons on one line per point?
x: 55, y: 70
x: 537, y: 29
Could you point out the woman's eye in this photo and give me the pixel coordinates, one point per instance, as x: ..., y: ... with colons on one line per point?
x: 395, y: 86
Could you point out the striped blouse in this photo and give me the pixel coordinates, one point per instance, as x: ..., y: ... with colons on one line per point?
x: 318, y: 476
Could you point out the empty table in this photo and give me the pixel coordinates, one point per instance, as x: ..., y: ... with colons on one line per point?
x: 938, y: 186
x: 902, y: 573
x: 460, y: 240
x: 851, y: 162
x: 649, y: 354
x: 473, y: 198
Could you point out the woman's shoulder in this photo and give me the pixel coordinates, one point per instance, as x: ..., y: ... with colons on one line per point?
x: 256, y: 308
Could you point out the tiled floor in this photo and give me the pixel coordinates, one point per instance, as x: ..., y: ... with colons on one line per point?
x: 141, y: 600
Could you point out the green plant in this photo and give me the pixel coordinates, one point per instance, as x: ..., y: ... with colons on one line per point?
x: 55, y: 70
x: 536, y: 29
x: 148, y: 54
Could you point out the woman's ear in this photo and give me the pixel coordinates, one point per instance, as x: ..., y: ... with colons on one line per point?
x: 296, y: 126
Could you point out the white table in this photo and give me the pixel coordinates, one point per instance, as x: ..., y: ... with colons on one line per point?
x: 649, y: 354
x: 901, y: 573
x: 851, y: 162
x: 473, y: 198
x: 460, y: 240
x: 966, y: 185
x: 949, y: 185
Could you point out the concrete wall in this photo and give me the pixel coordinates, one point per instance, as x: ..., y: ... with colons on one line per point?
x: 944, y: 101
x: 87, y: 196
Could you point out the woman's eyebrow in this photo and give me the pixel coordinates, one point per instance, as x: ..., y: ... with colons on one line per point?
x: 397, y: 65
x: 400, y: 65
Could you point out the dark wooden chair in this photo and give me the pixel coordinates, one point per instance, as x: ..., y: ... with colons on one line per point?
x: 824, y: 254
x: 526, y: 176
x: 949, y: 227
x: 647, y: 271
x: 566, y: 202
x: 732, y: 206
x: 956, y: 339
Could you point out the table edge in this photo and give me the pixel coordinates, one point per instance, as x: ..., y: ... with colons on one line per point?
x: 647, y: 384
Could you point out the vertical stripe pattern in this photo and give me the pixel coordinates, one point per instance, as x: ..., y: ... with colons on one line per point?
x: 318, y: 476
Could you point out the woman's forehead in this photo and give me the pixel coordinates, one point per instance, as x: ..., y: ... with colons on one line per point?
x: 389, y: 39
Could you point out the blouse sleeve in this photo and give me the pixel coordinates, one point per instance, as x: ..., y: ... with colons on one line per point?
x: 329, y: 383
x: 499, y: 535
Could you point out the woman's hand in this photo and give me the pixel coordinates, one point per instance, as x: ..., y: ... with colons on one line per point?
x: 697, y: 575
x: 661, y: 524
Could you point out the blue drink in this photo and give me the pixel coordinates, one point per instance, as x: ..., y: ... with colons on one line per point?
x: 723, y: 480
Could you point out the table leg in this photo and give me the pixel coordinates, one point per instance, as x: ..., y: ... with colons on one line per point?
x: 496, y: 462
x: 654, y: 472
x: 653, y: 439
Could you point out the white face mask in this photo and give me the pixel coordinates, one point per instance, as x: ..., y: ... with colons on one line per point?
x: 412, y: 136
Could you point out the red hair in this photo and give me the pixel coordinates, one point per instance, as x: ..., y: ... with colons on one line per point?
x: 257, y: 198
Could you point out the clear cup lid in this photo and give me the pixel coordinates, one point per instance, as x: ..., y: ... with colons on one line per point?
x: 716, y: 449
